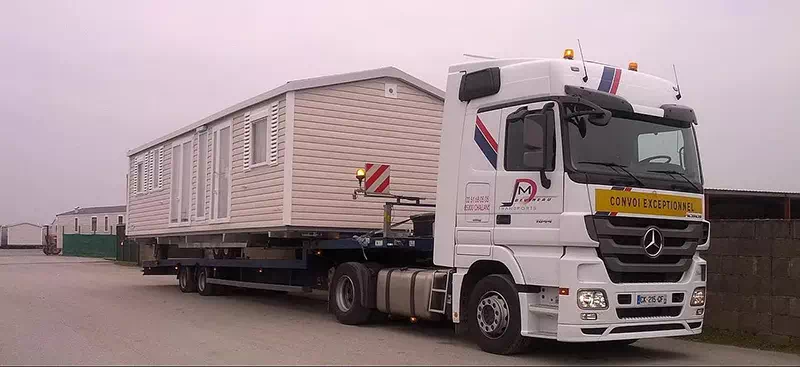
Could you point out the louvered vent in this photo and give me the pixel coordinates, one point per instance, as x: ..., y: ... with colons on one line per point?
x: 160, y: 164
x: 151, y: 168
x: 133, y: 175
x: 273, y: 134
x: 248, y: 141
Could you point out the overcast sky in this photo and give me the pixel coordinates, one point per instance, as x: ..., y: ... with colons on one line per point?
x: 81, y: 82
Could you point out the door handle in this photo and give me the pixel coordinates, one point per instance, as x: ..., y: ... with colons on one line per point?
x: 503, y: 219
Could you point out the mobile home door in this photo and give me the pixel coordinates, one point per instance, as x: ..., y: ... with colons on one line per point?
x: 221, y: 183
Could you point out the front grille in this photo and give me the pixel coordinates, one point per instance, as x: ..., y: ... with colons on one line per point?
x: 643, y: 328
x: 637, y: 277
x: 632, y: 313
x: 695, y: 325
x: 644, y: 223
x: 624, y: 257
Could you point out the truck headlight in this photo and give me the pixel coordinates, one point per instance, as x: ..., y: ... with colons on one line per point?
x: 698, y: 297
x: 592, y: 299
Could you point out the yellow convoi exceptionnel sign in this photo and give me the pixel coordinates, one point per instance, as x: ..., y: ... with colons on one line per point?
x: 626, y: 201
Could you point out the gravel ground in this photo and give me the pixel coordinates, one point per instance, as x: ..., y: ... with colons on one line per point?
x: 62, y: 310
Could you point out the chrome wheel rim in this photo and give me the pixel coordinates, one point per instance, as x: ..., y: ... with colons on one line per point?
x: 345, y: 293
x: 493, y: 315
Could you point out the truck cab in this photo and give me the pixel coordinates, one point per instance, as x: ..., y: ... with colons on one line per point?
x: 579, y: 184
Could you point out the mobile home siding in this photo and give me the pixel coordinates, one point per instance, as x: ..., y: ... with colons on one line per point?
x: 149, y: 211
x: 256, y: 199
x: 256, y: 194
x: 340, y: 127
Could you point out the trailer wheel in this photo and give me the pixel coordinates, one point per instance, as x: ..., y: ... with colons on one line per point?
x: 203, y: 287
x: 494, y: 316
x: 344, y: 296
x: 186, y: 280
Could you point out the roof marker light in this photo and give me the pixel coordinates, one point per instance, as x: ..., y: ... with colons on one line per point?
x: 632, y: 66
x: 569, y: 54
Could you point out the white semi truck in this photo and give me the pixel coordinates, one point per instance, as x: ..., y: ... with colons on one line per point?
x: 569, y: 206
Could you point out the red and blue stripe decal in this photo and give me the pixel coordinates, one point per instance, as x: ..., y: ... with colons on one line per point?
x: 609, y: 82
x: 486, y: 142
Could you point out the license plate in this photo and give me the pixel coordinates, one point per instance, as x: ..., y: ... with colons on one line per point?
x: 651, y: 299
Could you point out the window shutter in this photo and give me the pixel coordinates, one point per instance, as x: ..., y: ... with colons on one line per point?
x: 150, y: 169
x: 273, y: 134
x: 133, y: 175
x: 160, y: 166
x: 248, y: 141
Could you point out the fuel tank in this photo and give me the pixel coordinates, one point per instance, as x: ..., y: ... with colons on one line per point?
x: 407, y: 292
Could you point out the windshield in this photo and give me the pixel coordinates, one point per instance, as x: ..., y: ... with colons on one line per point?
x: 652, y: 152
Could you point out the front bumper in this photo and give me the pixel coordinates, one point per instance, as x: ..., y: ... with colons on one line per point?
x: 624, y: 331
x: 558, y: 317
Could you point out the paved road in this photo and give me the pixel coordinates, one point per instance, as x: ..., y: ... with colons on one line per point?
x: 61, y: 310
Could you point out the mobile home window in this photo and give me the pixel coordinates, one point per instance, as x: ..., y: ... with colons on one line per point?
x: 181, y: 185
x: 139, y: 176
x: 259, y: 141
x: 105, y: 224
x: 202, y: 174
x: 155, y: 173
x: 94, y: 224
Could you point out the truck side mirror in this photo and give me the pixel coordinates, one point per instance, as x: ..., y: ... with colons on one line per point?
x: 601, y: 119
x: 535, y: 128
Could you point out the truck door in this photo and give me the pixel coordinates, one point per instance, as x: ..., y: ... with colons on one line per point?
x: 475, y: 211
x: 529, y: 183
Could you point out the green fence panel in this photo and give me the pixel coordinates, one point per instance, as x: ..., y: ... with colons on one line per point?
x: 90, y: 245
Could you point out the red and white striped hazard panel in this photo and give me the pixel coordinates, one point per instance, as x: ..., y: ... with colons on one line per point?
x: 377, y: 178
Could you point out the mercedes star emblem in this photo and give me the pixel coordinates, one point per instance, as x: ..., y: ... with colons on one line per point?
x: 653, y: 242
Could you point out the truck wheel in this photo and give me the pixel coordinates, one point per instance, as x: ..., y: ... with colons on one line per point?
x: 203, y: 287
x: 494, y: 316
x: 186, y: 280
x: 345, y: 296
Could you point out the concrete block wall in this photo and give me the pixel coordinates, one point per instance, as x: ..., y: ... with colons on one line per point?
x: 754, y: 277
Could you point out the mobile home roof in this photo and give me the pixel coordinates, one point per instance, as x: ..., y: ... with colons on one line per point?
x: 295, y: 85
x: 95, y: 210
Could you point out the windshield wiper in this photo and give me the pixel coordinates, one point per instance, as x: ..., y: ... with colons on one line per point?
x: 673, y: 172
x: 615, y: 165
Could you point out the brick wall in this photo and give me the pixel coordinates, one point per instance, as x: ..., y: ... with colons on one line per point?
x: 754, y: 277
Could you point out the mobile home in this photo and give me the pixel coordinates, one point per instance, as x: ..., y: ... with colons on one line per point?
x: 23, y: 235
x: 284, y: 160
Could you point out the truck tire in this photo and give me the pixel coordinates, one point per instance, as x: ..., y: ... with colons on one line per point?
x: 344, y: 296
x: 494, y: 316
x: 203, y: 287
x: 187, y: 282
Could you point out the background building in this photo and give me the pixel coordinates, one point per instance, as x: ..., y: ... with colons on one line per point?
x: 751, y: 204
x: 92, y: 220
